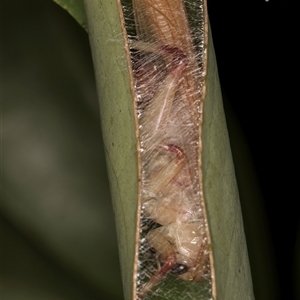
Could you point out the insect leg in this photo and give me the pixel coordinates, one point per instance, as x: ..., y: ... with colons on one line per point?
x: 167, y: 255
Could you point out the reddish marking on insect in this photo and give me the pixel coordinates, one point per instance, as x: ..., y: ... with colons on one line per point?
x: 178, y: 56
x: 175, y: 149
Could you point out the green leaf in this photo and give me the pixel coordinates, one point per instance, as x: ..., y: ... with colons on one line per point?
x: 232, y: 270
x: 118, y: 126
x: 75, y: 8
x: 232, y: 278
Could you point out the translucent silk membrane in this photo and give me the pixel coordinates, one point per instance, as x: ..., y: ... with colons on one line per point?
x: 167, y: 48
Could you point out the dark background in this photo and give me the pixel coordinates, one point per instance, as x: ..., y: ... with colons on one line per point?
x: 45, y: 55
x: 255, y: 52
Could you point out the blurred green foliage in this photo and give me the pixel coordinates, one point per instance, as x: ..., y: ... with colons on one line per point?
x: 58, y: 237
x: 75, y: 8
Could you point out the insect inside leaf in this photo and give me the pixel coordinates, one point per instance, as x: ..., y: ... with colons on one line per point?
x: 167, y: 59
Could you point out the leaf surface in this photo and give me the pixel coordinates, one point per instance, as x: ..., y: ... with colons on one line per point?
x: 232, y: 279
